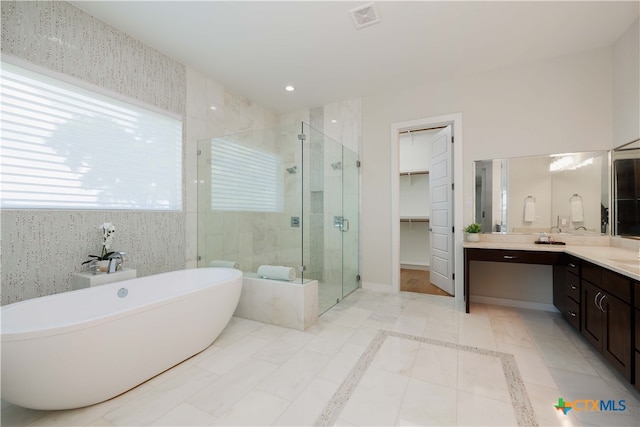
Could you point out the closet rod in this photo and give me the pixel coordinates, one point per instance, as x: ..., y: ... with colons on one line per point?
x: 421, y: 130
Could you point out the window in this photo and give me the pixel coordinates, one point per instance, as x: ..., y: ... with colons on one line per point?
x: 244, y: 178
x: 66, y: 147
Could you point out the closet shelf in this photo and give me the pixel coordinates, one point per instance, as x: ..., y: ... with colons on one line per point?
x: 414, y: 173
x: 414, y: 219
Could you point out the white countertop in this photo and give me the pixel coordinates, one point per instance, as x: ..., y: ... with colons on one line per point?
x: 623, y: 261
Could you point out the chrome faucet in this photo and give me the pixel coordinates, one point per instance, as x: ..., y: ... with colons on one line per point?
x: 557, y: 228
x: 581, y: 227
x: 117, y: 259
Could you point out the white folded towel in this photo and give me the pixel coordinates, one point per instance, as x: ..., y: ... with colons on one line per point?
x: 529, y: 210
x: 226, y: 264
x: 278, y: 272
x: 577, y: 214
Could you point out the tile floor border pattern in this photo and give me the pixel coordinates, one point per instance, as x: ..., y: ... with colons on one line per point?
x: 523, y: 410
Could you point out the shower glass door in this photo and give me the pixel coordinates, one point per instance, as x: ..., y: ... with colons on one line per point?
x: 330, y: 234
x: 322, y: 240
x: 350, y: 210
x: 284, y: 196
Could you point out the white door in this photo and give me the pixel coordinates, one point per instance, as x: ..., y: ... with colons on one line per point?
x: 440, y: 179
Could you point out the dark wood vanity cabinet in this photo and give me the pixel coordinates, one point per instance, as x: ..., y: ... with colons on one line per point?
x: 637, y: 340
x: 606, y: 315
x: 512, y: 256
x: 602, y: 305
x: 566, y: 290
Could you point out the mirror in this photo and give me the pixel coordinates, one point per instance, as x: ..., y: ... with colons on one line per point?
x: 626, y: 190
x: 559, y: 193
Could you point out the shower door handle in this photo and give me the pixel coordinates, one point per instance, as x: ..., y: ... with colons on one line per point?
x: 341, y: 223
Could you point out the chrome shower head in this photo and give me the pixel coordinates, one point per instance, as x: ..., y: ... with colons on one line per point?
x: 293, y: 169
x: 336, y: 165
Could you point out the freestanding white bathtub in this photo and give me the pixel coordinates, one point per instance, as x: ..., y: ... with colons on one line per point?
x: 82, y: 347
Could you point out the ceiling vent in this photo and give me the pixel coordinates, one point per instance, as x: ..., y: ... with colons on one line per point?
x: 366, y: 15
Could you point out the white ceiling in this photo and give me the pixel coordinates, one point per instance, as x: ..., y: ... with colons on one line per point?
x: 257, y: 48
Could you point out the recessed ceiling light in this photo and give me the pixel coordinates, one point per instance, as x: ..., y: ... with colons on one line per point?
x: 213, y: 107
x: 334, y: 121
x: 289, y: 88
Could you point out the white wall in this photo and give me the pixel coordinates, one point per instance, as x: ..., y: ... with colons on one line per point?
x: 532, y: 109
x: 626, y: 86
x: 415, y: 151
x: 415, y: 200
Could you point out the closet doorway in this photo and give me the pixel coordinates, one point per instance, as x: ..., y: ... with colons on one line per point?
x: 425, y: 210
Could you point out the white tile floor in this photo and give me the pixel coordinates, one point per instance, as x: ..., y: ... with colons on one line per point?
x: 436, y: 365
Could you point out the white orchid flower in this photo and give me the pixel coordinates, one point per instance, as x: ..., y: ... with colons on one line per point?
x: 107, y: 236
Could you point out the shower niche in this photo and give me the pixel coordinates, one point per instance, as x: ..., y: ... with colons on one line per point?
x: 270, y: 196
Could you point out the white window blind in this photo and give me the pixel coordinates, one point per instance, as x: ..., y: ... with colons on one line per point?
x: 244, y: 178
x: 66, y: 147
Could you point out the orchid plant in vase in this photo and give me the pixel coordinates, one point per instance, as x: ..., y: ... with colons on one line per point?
x: 107, y: 240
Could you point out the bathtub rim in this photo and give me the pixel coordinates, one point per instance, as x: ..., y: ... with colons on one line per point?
x: 65, y: 328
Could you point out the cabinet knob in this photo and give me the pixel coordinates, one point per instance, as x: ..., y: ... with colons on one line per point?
x: 573, y: 287
x: 571, y: 313
x: 509, y: 257
x: 572, y: 265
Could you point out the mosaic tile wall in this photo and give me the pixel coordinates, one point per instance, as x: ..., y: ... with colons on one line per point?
x: 40, y: 250
x: 61, y: 37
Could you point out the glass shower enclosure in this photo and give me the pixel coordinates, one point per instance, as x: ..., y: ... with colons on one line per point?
x: 285, y: 196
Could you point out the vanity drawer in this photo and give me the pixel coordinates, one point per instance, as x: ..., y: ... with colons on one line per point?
x: 573, y: 313
x: 573, y: 266
x: 573, y: 287
x: 637, y: 293
x: 515, y: 256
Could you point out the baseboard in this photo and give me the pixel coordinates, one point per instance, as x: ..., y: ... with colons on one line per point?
x: 514, y: 303
x: 378, y: 287
x: 409, y: 266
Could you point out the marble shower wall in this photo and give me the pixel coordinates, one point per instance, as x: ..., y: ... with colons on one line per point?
x: 41, y: 249
x: 253, y: 238
x: 212, y: 111
x: 333, y: 125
